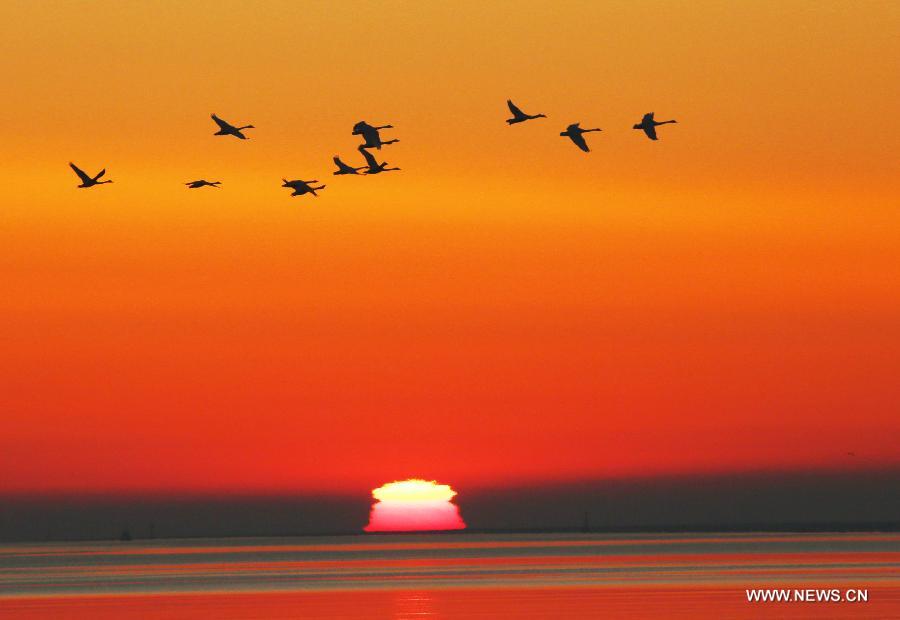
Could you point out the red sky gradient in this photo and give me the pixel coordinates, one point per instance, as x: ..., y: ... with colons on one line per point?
x: 506, y: 308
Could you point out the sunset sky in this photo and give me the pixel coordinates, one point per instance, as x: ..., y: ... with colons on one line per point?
x: 506, y: 309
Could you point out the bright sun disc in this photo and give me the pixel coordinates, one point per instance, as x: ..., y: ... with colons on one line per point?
x: 414, y: 505
x: 414, y: 490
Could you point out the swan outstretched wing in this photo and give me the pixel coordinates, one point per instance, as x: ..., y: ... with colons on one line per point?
x: 370, y: 159
x: 514, y: 109
x: 371, y: 136
x: 222, y: 124
x: 578, y: 138
x: 342, y: 167
x: 100, y: 174
x: 81, y: 173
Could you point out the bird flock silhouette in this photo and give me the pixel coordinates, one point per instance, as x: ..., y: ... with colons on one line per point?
x: 371, y: 135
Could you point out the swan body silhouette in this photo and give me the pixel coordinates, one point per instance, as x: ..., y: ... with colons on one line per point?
x: 575, y: 133
x: 518, y: 116
x: 302, y: 187
x: 648, y: 125
x: 86, y: 180
x: 202, y: 183
x: 373, y: 166
x: 227, y: 129
x: 344, y: 168
x: 371, y: 135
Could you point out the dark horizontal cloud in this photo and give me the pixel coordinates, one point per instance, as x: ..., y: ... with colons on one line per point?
x: 856, y: 500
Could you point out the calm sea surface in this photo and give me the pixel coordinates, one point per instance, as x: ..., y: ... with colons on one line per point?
x: 451, y: 576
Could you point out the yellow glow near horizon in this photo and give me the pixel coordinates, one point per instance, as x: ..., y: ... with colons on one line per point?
x: 414, y: 490
x: 684, y: 306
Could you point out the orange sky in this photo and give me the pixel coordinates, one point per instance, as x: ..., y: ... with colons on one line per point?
x: 505, y: 308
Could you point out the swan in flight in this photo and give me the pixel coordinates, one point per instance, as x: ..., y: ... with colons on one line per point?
x: 302, y: 187
x: 227, y: 129
x: 518, y: 115
x: 374, y: 167
x: 87, y: 181
x: 648, y: 125
x: 202, y: 183
x: 576, y: 134
x: 344, y: 168
x: 371, y: 136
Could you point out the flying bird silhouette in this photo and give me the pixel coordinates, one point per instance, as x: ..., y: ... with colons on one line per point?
x: 648, y: 125
x: 344, y: 168
x: 373, y: 166
x: 302, y: 187
x: 227, y: 129
x: 202, y: 183
x: 518, y: 115
x: 576, y: 134
x: 87, y: 181
x: 371, y: 136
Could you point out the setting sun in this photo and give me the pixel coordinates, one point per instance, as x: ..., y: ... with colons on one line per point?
x: 414, y: 490
x: 414, y: 505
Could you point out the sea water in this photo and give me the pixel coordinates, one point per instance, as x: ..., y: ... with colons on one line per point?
x: 455, y: 575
